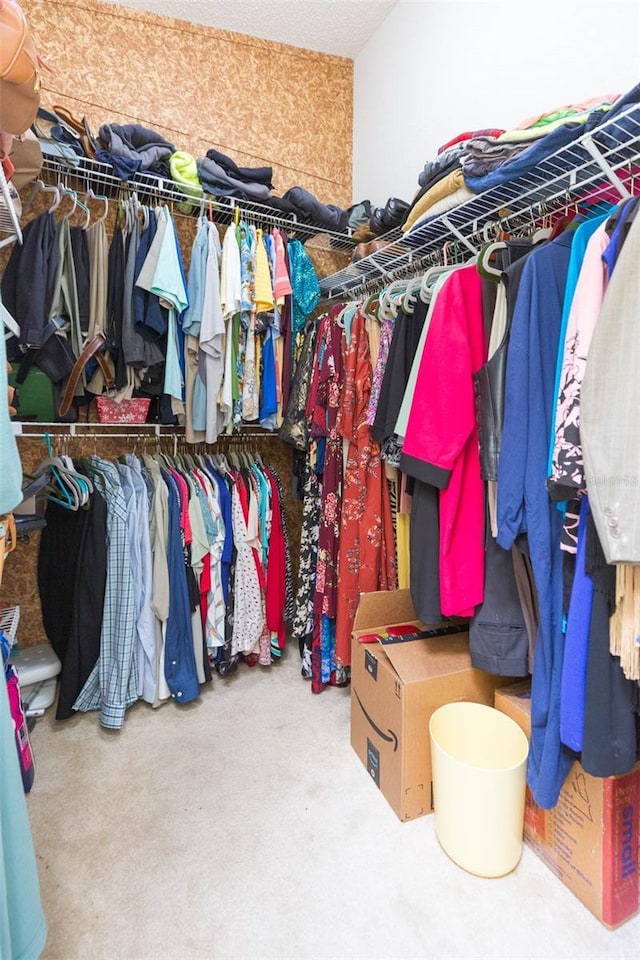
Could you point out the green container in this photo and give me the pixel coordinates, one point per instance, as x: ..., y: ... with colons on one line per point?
x: 37, y: 396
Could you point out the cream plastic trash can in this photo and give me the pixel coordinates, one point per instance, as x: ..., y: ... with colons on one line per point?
x: 479, y: 763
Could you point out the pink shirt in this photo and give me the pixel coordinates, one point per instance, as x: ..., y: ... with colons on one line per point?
x: 442, y: 437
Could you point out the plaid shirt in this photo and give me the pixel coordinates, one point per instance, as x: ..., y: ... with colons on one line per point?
x: 112, y: 685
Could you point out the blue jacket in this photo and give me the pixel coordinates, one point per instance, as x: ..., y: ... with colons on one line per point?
x: 523, y: 501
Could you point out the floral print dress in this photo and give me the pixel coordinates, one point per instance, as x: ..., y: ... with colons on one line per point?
x: 324, y: 419
x: 366, y: 560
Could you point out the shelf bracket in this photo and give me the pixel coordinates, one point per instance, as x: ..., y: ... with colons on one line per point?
x: 460, y: 236
x: 606, y: 168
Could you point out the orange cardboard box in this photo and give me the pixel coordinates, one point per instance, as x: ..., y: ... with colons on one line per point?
x: 590, y: 839
x: 394, y: 690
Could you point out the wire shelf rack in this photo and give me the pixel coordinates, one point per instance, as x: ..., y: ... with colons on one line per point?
x: 9, y: 620
x: 601, y: 164
x: 9, y: 220
x: 82, y: 173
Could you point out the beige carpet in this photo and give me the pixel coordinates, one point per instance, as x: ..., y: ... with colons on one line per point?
x: 244, y: 826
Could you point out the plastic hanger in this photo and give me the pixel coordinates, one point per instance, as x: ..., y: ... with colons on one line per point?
x: 68, y: 192
x: 428, y: 279
x: 90, y: 195
x: 57, y: 491
x: 87, y: 213
x: 484, y: 256
x: 44, y: 188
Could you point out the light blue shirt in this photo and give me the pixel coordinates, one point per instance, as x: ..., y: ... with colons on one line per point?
x: 168, y: 284
x: 138, y: 504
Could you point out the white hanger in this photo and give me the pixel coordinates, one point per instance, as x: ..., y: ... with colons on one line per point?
x: 99, y: 196
x: 41, y: 185
x: 427, y: 281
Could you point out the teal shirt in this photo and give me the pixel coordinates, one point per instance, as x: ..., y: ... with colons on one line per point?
x: 23, y: 930
x: 11, y: 472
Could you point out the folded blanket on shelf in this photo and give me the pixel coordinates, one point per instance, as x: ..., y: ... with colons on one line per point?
x: 245, y: 174
x: 522, y: 163
x: 215, y: 179
x: 469, y: 135
x: 535, y: 133
x: 484, y: 154
x: 461, y: 195
x: 569, y: 110
x: 444, y: 188
x: 440, y: 166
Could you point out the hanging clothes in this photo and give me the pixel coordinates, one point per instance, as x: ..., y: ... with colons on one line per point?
x: 523, y: 503
x: 441, y: 442
x: 324, y: 423
x: 366, y: 559
x: 112, y: 684
x: 23, y: 930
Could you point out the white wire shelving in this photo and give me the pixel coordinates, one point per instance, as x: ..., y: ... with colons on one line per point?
x: 9, y: 219
x: 601, y: 164
x: 9, y: 620
x: 82, y: 173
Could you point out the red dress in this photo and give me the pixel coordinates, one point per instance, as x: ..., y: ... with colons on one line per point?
x: 366, y: 560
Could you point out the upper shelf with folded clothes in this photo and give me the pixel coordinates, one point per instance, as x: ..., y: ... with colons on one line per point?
x: 134, y: 156
x: 490, y: 181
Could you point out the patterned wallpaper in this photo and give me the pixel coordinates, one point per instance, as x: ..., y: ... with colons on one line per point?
x: 258, y: 101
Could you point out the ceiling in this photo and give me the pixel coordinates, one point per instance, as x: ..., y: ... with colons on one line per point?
x: 338, y: 27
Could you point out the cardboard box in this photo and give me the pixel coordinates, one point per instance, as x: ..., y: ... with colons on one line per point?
x: 590, y: 838
x: 394, y: 690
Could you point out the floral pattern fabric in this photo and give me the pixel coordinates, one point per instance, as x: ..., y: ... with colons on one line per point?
x: 303, y: 621
x: 366, y: 560
x: 386, y: 336
x: 324, y: 418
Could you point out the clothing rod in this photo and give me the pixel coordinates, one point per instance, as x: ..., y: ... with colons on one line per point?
x: 153, y: 431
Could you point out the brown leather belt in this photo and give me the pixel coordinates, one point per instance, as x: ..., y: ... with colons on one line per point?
x: 93, y: 348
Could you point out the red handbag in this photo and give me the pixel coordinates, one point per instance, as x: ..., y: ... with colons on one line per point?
x: 110, y: 410
x: 134, y: 410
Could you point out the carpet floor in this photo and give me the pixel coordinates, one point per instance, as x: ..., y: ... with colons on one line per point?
x: 244, y: 826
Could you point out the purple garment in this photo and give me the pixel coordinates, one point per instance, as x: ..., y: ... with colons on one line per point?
x: 386, y: 336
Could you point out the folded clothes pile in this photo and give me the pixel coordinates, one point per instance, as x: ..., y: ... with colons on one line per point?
x: 222, y: 177
x: 489, y: 163
x: 484, y: 154
x: 440, y: 181
x: 445, y: 194
x: 475, y: 161
x: 57, y: 138
x: 131, y: 148
x: 310, y: 210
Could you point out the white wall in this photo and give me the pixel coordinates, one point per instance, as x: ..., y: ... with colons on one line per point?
x: 435, y: 69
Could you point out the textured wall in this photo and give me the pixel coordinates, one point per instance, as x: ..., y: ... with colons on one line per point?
x: 258, y: 101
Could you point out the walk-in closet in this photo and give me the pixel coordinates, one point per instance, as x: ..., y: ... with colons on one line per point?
x: 319, y: 480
